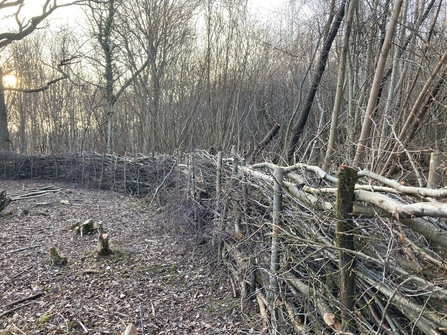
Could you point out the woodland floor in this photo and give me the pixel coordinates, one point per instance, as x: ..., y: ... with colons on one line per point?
x: 156, y: 278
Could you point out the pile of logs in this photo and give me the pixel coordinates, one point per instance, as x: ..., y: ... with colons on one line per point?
x: 133, y: 174
x: 277, y: 230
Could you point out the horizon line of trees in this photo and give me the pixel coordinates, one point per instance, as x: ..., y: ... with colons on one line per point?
x: 357, y: 82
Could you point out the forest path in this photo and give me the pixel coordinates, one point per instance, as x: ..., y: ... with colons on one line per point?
x: 154, y: 278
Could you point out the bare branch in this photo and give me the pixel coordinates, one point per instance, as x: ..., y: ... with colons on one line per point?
x: 32, y: 24
x: 63, y: 62
x: 6, y: 4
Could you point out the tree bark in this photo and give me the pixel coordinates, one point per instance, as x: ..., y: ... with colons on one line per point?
x: 345, y: 240
x: 272, y: 294
x: 5, y: 143
x: 418, y: 111
x: 4, y: 200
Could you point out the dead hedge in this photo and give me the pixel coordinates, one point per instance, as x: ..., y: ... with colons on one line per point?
x: 290, y: 266
x: 130, y: 174
x: 275, y: 229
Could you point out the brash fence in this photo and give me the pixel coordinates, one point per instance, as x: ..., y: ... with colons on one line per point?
x: 312, y: 252
x: 131, y: 174
x: 318, y: 253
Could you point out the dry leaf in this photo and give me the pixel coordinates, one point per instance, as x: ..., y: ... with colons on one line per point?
x: 331, y: 321
x: 130, y: 330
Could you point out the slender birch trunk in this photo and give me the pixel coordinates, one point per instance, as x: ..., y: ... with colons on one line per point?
x: 394, y: 74
x: 340, y: 87
x: 375, y: 89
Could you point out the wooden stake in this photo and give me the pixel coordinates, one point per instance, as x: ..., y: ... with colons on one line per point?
x: 345, y: 239
x: 272, y: 294
x: 434, y: 174
x: 216, y: 212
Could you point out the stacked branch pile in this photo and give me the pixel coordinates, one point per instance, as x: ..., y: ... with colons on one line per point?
x: 290, y: 264
x: 133, y: 174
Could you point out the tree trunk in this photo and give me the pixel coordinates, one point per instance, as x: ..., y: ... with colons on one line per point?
x: 340, y: 87
x: 385, y: 131
x: 4, y: 133
x: 4, y: 200
x: 273, y: 292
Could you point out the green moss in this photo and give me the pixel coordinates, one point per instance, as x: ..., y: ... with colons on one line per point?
x: 71, y: 325
x: 44, y: 318
x: 56, y: 257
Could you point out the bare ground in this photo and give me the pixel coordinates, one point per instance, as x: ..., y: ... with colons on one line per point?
x: 155, y: 279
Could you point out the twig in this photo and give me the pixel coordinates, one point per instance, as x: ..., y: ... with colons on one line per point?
x: 18, y: 274
x: 15, y: 308
x: 410, y: 159
x: 164, y: 179
x: 141, y: 321
x: 35, y: 296
x: 21, y: 249
x: 83, y: 326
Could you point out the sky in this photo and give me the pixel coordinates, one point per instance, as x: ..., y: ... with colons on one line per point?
x: 34, y: 7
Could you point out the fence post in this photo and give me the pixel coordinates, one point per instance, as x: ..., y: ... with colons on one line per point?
x: 347, y: 177
x: 272, y: 294
x: 192, y: 185
x: 125, y: 173
x: 434, y: 173
x: 216, y: 212
x: 235, y: 160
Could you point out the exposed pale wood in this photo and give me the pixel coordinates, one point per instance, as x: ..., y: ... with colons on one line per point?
x: 435, y: 173
x: 103, y: 248
x: 130, y: 330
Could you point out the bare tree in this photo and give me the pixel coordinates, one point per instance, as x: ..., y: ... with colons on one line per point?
x: 103, y: 19
x: 23, y: 29
x: 298, y: 128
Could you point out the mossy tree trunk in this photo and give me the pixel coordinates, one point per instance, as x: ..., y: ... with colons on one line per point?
x: 345, y: 240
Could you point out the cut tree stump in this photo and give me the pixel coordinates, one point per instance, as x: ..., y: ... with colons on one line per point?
x: 87, y: 227
x: 103, y: 248
x: 56, y: 257
x: 4, y: 200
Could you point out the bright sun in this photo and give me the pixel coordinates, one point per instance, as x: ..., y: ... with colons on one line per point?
x: 10, y: 80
